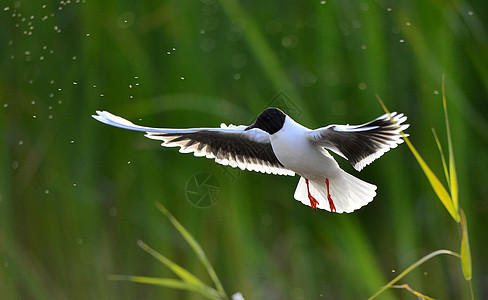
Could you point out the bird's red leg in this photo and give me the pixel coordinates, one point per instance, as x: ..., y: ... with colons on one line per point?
x: 313, y: 201
x: 331, y: 203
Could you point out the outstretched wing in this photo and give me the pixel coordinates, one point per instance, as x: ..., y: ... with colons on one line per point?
x: 229, y: 145
x: 362, y: 144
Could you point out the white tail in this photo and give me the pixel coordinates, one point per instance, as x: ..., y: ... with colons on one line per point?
x: 347, y: 192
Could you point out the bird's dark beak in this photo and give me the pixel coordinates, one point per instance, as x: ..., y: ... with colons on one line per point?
x: 250, y: 127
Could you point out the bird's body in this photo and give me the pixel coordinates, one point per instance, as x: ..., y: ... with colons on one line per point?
x: 317, y: 171
x: 276, y: 144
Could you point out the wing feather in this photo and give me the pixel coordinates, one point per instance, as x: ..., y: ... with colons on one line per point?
x: 229, y: 145
x: 362, y: 144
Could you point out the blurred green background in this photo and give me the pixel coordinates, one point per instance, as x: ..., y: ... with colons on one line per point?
x: 76, y: 195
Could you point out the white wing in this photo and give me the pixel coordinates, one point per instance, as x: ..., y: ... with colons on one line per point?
x: 229, y: 145
x: 362, y: 144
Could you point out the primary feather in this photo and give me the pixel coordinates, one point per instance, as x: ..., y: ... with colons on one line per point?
x: 362, y: 144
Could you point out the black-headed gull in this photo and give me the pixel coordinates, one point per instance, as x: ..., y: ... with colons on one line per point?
x: 276, y: 144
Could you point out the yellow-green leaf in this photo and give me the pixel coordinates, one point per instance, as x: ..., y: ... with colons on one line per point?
x: 411, y: 268
x: 203, y: 290
x: 453, y: 183
x: 444, y: 164
x: 178, y: 270
x: 194, y: 245
x: 416, y: 293
x: 439, y: 189
x: 465, y: 250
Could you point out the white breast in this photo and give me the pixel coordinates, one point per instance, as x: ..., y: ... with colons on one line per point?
x: 298, y: 154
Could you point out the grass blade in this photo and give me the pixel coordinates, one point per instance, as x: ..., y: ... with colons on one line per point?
x: 443, y: 158
x: 178, y: 270
x: 408, y: 288
x: 452, y: 166
x: 194, y: 245
x: 203, y: 290
x: 411, y: 268
x: 439, y: 189
x: 465, y: 250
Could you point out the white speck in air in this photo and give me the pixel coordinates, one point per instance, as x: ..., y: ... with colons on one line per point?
x: 112, y: 211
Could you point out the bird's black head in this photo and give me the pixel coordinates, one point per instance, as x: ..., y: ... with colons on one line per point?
x: 270, y: 120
